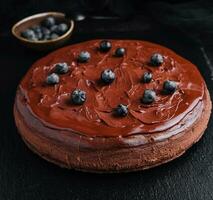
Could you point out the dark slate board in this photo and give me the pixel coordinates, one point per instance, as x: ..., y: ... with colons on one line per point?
x: 24, y: 175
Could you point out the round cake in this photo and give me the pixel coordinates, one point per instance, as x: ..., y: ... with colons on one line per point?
x: 112, y: 106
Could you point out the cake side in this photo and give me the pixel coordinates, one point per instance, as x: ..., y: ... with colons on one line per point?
x: 132, y: 158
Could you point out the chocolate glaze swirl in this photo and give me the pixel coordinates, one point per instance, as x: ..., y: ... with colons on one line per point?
x: 52, y: 106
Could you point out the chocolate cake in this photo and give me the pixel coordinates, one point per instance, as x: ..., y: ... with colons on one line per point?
x: 112, y: 106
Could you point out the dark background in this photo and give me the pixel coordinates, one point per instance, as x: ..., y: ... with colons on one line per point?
x: 184, y: 26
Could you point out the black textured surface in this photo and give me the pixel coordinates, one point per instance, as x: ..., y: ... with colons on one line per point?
x: 25, y: 176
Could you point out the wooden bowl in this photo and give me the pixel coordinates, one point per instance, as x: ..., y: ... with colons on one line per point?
x: 42, y: 45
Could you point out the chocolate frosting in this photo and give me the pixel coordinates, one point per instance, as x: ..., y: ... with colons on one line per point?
x: 51, y: 104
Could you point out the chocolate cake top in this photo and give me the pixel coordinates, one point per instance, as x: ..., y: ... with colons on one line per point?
x: 113, y: 88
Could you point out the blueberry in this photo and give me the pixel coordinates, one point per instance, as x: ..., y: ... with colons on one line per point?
x: 156, y: 59
x: 61, y: 68
x: 78, y: 96
x: 107, y: 76
x: 53, y: 36
x: 147, y: 77
x: 48, y: 22
x: 62, y: 28
x: 121, y: 110
x: 29, y: 34
x: 169, y: 87
x: 46, y: 37
x: 148, y: 96
x: 39, y: 35
x: 84, y: 56
x: 52, y: 79
x: 54, y: 29
x: 36, y: 29
x: 119, y: 52
x: 105, y: 46
x: 45, y: 31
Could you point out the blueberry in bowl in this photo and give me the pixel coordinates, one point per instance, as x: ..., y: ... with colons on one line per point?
x: 49, y: 28
x: 44, y: 31
x: 49, y: 22
x: 29, y: 34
